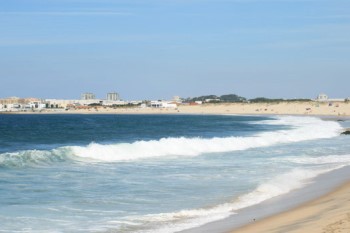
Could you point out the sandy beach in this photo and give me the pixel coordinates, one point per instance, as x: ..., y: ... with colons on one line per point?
x: 282, y: 108
x: 328, y: 214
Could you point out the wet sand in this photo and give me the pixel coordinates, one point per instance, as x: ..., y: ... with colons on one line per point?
x: 327, y: 214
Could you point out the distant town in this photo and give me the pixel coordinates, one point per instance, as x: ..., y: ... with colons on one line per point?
x: 86, y: 101
x: 113, y: 100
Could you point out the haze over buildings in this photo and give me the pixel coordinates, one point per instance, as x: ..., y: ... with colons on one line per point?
x: 88, y: 100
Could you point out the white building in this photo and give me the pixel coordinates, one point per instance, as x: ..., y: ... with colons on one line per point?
x: 136, y: 102
x: 113, y: 96
x: 11, y: 107
x: 88, y: 102
x: 87, y: 96
x: 322, y: 97
x: 114, y: 103
x: 162, y: 104
x: 23, y: 105
x: 211, y: 100
x: 59, y: 103
x: 36, y: 105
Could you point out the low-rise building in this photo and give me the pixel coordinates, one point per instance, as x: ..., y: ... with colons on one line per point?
x: 212, y: 100
x: 89, y: 102
x: 162, y: 104
x: 21, y: 104
x: 322, y: 97
x: 325, y: 98
x: 114, y: 103
x: 136, y: 102
x: 59, y: 103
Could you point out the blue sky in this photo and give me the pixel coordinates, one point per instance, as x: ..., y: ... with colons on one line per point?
x: 154, y: 49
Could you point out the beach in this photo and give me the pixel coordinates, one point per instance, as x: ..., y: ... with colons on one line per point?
x: 175, y: 116
x: 327, y: 214
x: 281, y: 108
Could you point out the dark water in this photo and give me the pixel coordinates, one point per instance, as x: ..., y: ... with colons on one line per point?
x: 20, y: 132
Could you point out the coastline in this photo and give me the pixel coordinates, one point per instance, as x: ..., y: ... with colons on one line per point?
x: 327, y: 214
x: 340, y: 109
x: 326, y: 210
x: 322, y: 206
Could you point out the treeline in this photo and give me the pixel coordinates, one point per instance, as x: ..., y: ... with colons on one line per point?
x: 267, y: 100
x: 232, y: 98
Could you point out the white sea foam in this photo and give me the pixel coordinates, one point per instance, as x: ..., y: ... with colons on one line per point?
x: 320, y: 160
x: 34, y: 157
x: 303, y: 128
x: 283, y: 184
x: 185, y: 219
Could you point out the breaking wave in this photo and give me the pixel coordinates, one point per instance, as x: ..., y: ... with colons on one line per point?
x: 295, y: 179
x: 302, y: 128
x: 34, y: 157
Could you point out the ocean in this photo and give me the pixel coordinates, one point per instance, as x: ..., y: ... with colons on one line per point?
x: 155, y: 173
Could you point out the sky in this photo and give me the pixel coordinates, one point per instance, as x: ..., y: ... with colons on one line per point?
x: 156, y: 49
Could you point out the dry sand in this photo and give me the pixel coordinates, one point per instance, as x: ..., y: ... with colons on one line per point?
x: 283, y: 108
x: 328, y: 214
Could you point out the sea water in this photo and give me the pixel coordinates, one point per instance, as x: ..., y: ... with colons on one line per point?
x: 154, y: 173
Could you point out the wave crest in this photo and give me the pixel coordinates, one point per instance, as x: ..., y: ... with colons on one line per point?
x: 34, y: 157
x: 302, y: 128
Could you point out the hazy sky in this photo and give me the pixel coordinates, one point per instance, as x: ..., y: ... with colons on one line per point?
x: 154, y: 49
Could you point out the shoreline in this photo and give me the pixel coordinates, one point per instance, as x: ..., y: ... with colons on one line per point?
x: 327, y: 214
x: 323, y: 202
x: 321, y: 206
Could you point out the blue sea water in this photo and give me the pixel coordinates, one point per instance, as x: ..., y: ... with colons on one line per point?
x: 154, y: 173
